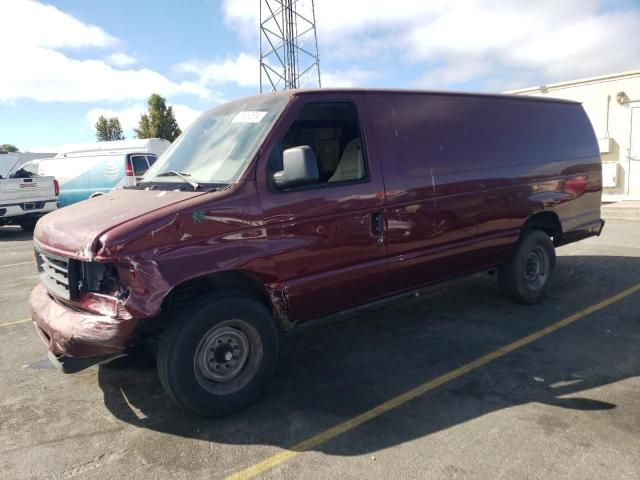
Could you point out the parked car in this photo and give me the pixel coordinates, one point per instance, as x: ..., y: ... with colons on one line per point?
x: 95, y: 169
x: 272, y: 210
x: 24, y: 196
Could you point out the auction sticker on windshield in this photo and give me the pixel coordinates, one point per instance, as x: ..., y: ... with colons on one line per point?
x: 249, y: 116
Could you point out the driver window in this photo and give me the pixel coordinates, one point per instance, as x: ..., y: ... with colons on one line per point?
x: 332, y: 130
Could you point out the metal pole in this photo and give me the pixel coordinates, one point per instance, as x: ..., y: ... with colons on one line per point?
x: 315, y: 39
x: 260, y: 43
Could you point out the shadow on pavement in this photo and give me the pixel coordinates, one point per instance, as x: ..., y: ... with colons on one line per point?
x: 14, y: 233
x: 334, y: 369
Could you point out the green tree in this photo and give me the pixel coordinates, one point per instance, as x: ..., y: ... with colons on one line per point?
x: 115, y: 129
x: 158, y: 121
x: 108, y: 129
x: 7, y: 147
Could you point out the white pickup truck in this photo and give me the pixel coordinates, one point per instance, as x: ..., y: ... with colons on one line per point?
x: 24, y: 196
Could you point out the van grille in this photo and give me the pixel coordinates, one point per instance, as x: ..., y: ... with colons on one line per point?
x: 58, y: 274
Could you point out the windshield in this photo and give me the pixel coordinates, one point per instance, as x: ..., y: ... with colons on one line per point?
x: 219, y: 145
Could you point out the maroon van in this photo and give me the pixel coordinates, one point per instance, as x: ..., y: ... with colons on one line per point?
x: 275, y: 209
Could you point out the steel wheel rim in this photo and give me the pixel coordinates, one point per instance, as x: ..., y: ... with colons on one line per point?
x: 222, y: 353
x: 227, y: 357
x: 536, y: 268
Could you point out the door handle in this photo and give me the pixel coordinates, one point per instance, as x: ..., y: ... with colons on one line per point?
x: 377, y: 227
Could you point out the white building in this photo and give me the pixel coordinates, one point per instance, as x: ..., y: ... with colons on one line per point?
x: 613, y: 105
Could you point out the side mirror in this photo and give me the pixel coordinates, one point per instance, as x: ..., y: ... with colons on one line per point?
x: 299, y: 167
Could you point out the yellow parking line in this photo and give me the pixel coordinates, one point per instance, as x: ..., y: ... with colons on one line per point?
x: 17, y: 322
x: 395, y: 402
x: 16, y: 264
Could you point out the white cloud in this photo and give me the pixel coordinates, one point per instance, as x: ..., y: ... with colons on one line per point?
x: 529, y: 44
x: 339, y: 17
x: 185, y: 115
x: 460, y: 71
x: 466, y: 40
x: 352, y: 77
x: 27, y: 21
x: 128, y: 116
x: 35, y: 32
x: 50, y: 76
x: 241, y: 70
x: 120, y: 59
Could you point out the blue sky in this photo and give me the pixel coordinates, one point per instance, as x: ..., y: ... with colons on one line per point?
x: 71, y: 60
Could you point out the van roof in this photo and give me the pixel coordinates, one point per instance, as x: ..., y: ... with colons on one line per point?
x: 502, y: 96
x: 112, y: 146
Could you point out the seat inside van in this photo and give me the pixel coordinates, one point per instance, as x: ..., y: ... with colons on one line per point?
x: 351, y: 164
x: 332, y: 131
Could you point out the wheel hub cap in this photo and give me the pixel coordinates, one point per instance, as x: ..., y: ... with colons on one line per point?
x: 223, y: 353
x: 536, y: 267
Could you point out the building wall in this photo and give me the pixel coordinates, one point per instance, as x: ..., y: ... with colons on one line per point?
x: 611, y: 122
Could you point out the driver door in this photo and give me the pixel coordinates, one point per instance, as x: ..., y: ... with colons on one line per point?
x: 327, y: 237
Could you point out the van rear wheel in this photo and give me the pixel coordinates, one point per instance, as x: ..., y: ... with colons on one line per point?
x: 218, y: 355
x: 527, y: 276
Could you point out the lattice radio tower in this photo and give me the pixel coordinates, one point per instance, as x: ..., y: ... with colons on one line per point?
x: 288, y: 45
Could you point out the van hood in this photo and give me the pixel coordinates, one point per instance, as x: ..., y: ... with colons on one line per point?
x: 74, y: 230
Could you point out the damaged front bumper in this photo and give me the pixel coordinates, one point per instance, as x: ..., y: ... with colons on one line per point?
x: 77, y: 339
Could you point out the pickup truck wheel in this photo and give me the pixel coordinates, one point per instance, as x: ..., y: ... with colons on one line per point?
x: 28, y: 224
x: 218, y: 356
x: 526, y: 277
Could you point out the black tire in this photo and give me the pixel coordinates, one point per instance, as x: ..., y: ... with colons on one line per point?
x: 28, y: 224
x: 518, y: 277
x: 187, y: 366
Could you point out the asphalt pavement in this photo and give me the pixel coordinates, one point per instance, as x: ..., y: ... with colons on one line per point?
x: 565, y: 404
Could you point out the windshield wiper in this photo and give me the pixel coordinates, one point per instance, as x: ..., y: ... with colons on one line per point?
x: 182, y: 175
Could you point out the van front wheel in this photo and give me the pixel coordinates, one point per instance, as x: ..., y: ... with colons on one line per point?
x: 526, y: 277
x: 218, y: 355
